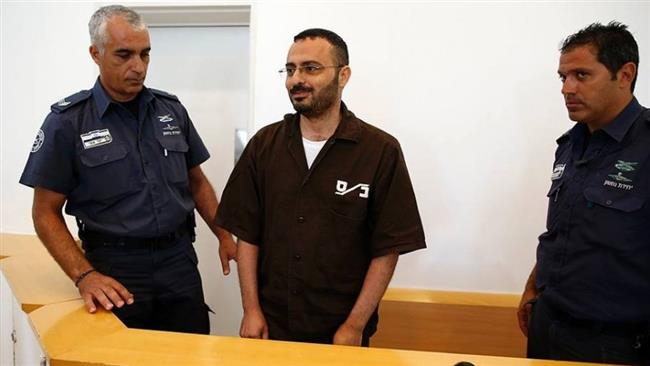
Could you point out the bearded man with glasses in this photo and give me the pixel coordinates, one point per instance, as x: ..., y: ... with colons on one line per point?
x: 322, y: 205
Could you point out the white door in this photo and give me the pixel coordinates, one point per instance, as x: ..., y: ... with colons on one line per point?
x: 207, y: 68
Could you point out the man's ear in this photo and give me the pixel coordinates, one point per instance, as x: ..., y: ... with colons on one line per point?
x: 625, y: 75
x: 344, y: 76
x: 94, y: 53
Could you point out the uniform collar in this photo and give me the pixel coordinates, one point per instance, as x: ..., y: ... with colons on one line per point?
x: 618, y: 128
x: 348, y: 129
x: 103, y: 100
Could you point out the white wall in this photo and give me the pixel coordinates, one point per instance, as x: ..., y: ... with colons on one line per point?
x: 44, y: 58
x: 470, y: 90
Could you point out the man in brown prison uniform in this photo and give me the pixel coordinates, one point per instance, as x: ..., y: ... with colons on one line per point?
x: 322, y: 205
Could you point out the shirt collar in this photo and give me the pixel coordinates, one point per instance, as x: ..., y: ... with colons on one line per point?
x: 348, y: 129
x: 103, y: 100
x: 618, y: 128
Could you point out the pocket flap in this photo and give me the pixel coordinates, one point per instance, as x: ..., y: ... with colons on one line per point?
x: 174, y: 143
x: 103, y: 155
x: 623, y: 201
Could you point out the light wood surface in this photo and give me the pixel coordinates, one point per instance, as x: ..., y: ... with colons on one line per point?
x: 102, y: 342
x: 34, y: 277
x: 449, y: 327
x: 71, y: 336
x: 12, y: 245
x: 452, y: 297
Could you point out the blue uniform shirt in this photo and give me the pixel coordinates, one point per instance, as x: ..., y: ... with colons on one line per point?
x: 121, y: 176
x: 593, y: 262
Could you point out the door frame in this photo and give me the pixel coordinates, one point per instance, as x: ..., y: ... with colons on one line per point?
x: 208, y: 16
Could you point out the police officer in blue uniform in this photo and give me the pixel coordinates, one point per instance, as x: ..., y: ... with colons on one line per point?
x: 588, y: 296
x: 125, y: 160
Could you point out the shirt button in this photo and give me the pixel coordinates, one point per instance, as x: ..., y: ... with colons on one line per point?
x: 159, y: 210
x: 608, y: 202
x: 301, y: 219
x: 298, y: 257
x: 146, y: 162
x: 295, y: 292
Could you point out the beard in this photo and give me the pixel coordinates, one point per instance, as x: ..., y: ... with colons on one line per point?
x: 321, y: 101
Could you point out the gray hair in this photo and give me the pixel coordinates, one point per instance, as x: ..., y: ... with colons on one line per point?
x: 97, y: 23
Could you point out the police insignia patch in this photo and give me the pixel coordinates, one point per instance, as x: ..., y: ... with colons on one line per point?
x: 38, y: 142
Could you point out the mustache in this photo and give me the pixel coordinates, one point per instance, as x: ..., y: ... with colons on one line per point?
x: 572, y: 100
x: 300, y: 88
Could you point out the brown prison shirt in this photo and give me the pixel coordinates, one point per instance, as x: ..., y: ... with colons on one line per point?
x: 317, y: 229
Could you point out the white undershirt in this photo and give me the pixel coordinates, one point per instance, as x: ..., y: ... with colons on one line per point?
x: 312, y: 148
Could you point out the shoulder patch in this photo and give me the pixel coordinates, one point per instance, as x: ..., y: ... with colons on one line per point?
x: 67, y: 102
x: 164, y: 94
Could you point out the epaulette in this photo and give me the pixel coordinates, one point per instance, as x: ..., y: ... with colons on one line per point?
x: 164, y: 94
x: 67, y: 102
x: 563, y: 137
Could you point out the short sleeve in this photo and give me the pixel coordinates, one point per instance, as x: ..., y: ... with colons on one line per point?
x: 240, y: 210
x: 51, y: 161
x: 197, y: 152
x: 395, y: 222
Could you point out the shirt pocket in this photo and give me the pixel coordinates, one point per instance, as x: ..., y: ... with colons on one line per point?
x: 173, y: 163
x: 616, y: 219
x: 106, y: 171
x: 621, y: 201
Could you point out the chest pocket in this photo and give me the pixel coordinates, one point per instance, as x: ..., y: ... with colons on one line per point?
x: 617, y: 200
x: 617, y: 219
x: 106, y: 171
x: 174, y: 163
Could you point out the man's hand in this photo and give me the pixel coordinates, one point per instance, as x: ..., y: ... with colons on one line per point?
x: 348, y: 335
x: 227, y: 251
x: 105, y: 290
x: 253, y: 325
x: 525, y: 308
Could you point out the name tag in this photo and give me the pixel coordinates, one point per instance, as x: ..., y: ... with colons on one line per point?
x: 96, y: 138
x: 558, y: 171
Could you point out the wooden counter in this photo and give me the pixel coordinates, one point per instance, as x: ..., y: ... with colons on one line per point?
x: 71, y: 336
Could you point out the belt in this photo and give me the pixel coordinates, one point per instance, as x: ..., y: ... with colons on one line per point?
x: 600, y: 326
x: 94, y: 239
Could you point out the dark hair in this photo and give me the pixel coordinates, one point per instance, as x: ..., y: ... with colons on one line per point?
x: 340, y: 48
x: 615, y: 45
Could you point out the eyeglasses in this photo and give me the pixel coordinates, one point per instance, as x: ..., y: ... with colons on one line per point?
x: 289, y: 71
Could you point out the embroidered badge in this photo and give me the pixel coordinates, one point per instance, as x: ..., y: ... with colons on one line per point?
x: 619, y: 180
x: 558, y: 170
x: 626, y: 166
x: 619, y: 177
x: 165, y: 118
x: 170, y: 130
x: 341, y: 188
x: 38, y: 142
x: 96, y: 138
